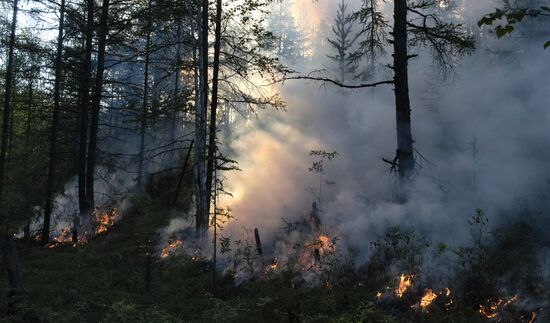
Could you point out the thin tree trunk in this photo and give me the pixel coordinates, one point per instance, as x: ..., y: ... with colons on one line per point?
x: 11, y: 139
x: 143, y: 117
x: 96, y: 103
x: 202, y: 216
x: 28, y: 210
x: 54, y: 128
x: 84, y: 110
x: 405, y: 156
x: 7, y: 98
x: 176, y: 85
x: 213, y: 107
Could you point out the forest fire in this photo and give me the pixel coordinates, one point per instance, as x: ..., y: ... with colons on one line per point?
x: 170, y: 248
x: 324, y: 245
x: 491, y: 311
x: 427, y: 299
x: 315, y: 250
x: 405, y: 282
x: 68, y: 235
x: 105, y: 221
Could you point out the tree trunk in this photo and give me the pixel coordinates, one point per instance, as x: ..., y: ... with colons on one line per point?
x: 96, y: 103
x: 201, y: 217
x: 405, y: 157
x: 143, y: 117
x: 7, y: 98
x: 84, y: 110
x: 176, y: 85
x: 15, y: 277
x: 211, y: 162
x: 54, y: 128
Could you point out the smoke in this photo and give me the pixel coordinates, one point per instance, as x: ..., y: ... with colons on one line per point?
x: 480, y: 141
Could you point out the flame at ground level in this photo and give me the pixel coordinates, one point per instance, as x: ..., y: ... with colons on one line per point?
x: 171, y: 247
x: 427, y: 299
x: 405, y: 282
x: 491, y: 311
x: 102, y: 222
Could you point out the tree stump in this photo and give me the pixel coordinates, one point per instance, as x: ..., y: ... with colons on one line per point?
x: 258, y: 243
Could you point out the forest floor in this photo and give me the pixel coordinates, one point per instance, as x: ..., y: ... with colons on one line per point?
x: 104, y: 281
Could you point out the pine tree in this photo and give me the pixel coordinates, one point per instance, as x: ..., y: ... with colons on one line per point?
x: 343, y: 42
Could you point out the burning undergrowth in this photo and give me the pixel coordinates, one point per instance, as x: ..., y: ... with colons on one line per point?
x: 79, y: 233
x: 494, y: 277
x: 71, y: 228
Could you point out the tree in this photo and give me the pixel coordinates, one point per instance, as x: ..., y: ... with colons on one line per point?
x: 54, y: 126
x: 86, y: 80
x: 144, y: 105
x: 424, y: 28
x: 287, y: 43
x: 343, y: 42
x: 214, y: 106
x: 371, y: 44
x: 96, y: 103
x: 201, y: 192
x: 7, y: 98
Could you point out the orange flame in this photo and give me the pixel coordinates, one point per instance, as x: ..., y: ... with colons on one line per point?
x: 172, y: 245
x: 427, y: 299
x: 405, y: 282
x: 491, y: 311
x: 105, y: 221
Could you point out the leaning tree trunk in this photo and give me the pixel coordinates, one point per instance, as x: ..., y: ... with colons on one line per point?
x: 201, y: 217
x: 405, y: 157
x: 211, y: 162
x: 96, y: 104
x: 7, y: 98
x: 84, y: 110
x: 54, y: 128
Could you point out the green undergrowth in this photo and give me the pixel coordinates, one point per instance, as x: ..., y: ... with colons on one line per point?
x: 104, y: 281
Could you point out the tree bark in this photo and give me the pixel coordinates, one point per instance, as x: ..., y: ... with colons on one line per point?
x: 201, y: 218
x: 405, y: 156
x: 84, y: 110
x: 211, y: 162
x: 7, y: 98
x: 96, y: 103
x: 144, y: 105
x: 54, y: 128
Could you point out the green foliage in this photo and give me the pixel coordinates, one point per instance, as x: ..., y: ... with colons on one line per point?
x: 511, y: 16
x: 400, y: 251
